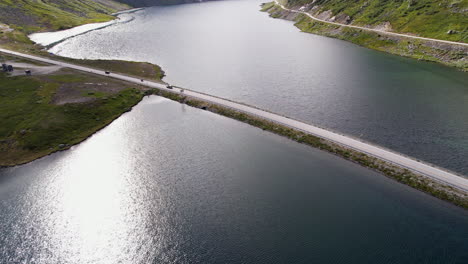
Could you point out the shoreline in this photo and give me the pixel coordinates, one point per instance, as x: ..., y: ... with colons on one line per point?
x: 369, y: 29
x: 448, y: 53
x: 43, y: 38
x: 455, y: 192
x: 140, y: 70
x: 69, y: 146
x: 416, y: 180
x: 128, y: 11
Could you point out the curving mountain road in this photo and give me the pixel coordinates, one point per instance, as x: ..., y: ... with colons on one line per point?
x: 370, y: 29
x: 400, y: 160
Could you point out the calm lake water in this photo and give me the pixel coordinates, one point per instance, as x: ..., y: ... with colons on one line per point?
x: 230, y: 49
x: 166, y: 183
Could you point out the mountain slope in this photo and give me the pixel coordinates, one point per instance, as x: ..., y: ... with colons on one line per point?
x: 441, y: 19
x: 446, y: 53
x: 34, y: 15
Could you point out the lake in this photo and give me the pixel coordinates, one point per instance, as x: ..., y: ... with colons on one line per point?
x: 167, y: 183
x: 230, y: 49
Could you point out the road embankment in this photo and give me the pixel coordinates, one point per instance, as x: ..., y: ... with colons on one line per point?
x: 428, y: 178
x: 407, y: 176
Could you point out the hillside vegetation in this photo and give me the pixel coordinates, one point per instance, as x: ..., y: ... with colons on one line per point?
x: 35, y: 15
x: 51, y: 111
x: 441, y: 19
x: 448, y: 54
x: 19, y: 18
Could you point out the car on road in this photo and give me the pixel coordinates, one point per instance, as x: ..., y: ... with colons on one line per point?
x: 107, y: 72
x: 169, y: 87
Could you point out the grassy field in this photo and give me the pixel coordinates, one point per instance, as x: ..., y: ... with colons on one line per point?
x: 43, y: 114
x: 427, y: 18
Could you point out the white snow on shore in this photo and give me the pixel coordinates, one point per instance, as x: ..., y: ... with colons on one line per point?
x: 49, y: 38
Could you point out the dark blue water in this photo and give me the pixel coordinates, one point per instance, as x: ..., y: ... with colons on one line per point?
x: 166, y: 183
x: 230, y: 49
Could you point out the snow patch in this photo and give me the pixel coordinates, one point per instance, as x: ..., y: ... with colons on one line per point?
x: 50, y: 38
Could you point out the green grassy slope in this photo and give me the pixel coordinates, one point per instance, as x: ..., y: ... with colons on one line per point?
x: 35, y: 15
x: 451, y: 55
x: 427, y: 18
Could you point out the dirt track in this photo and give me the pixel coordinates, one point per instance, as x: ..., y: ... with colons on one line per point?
x: 20, y: 67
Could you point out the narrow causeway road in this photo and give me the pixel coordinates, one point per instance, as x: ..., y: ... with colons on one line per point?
x: 437, y: 174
